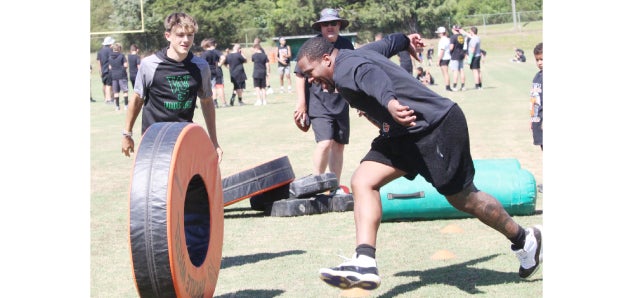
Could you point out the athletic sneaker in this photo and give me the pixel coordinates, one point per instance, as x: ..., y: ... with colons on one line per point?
x: 358, y: 272
x: 531, y: 255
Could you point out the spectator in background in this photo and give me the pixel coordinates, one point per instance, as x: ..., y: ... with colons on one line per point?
x: 258, y: 41
x: 444, y: 55
x: 133, y: 61
x: 456, y: 65
x: 261, y: 71
x: 536, y: 98
x: 213, y: 58
x: 474, y: 56
x: 218, y: 89
x: 429, y: 56
x: 326, y: 110
x: 536, y: 102
x: 519, y: 55
x: 103, y: 57
x: 424, y: 76
x: 283, y: 52
x: 118, y: 71
x: 236, y: 61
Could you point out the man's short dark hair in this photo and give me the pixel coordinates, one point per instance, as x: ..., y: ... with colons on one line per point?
x: 314, y: 48
x: 538, y: 49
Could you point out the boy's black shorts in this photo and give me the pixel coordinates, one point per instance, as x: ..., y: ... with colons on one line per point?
x: 441, y: 156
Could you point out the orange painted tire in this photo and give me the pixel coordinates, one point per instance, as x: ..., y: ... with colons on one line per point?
x: 176, y: 213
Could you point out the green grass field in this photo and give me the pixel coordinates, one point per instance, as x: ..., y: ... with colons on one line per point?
x: 280, y: 256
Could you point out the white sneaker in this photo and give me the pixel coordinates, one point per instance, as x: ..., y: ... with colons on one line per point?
x: 289, y: 89
x: 531, y: 255
x: 264, y: 102
x: 258, y: 103
x: 358, y: 272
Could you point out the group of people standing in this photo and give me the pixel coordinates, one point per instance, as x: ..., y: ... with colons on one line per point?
x: 461, y: 47
x: 235, y: 59
x: 114, y: 66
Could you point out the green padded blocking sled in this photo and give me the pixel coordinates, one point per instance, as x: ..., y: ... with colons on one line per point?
x: 514, y: 187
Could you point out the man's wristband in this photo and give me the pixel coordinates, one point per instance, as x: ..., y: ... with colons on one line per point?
x: 127, y: 133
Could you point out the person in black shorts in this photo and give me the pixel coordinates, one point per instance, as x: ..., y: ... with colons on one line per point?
x: 134, y: 61
x: 325, y: 110
x: 103, y: 57
x: 421, y: 133
x: 236, y: 61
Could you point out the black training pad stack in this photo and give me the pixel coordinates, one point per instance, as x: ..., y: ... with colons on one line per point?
x: 341, y: 203
x: 304, y: 196
x: 265, y: 200
x: 311, y: 185
x: 295, y: 207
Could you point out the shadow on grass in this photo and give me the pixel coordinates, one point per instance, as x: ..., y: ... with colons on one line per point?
x: 244, y: 212
x: 252, y: 293
x: 461, y: 276
x: 228, y: 262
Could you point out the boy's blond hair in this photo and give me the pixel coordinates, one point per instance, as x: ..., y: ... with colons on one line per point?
x: 116, y: 47
x: 183, y: 20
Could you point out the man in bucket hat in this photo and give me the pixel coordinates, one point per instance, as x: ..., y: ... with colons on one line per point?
x: 103, y: 57
x: 325, y: 111
x: 329, y: 15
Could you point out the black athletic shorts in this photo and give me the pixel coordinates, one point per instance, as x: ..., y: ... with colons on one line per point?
x: 331, y: 129
x: 441, y: 156
x: 444, y: 62
x: 106, y: 79
x: 239, y: 85
x: 261, y: 83
x: 537, y: 132
x: 476, y: 63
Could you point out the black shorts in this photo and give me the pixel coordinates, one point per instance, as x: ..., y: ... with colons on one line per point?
x: 537, y: 133
x: 261, y: 83
x: 238, y: 85
x: 444, y: 62
x: 133, y: 80
x: 106, y: 79
x: 219, y: 80
x: 476, y: 63
x: 441, y: 156
x: 331, y: 129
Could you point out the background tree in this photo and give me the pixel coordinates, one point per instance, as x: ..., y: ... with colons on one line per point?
x: 240, y: 21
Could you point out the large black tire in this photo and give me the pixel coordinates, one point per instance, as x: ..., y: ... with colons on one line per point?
x: 176, y: 213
